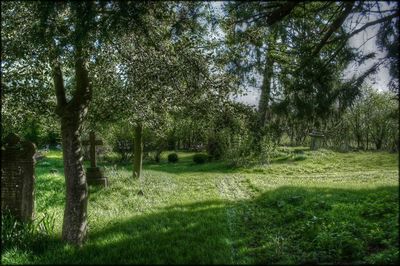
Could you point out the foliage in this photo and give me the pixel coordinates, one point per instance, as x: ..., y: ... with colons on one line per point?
x: 298, y: 60
x: 370, y: 122
x: 173, y: 157
x: 41, y: 130
x: 388, y: 39
x: 122, y: 140
x: 242, y: 152
x: 158, y: 64
x: 216, y: 146
x: 200, y: 158
x: 232, y: 122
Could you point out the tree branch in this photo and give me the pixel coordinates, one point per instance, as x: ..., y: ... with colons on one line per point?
x: 59, y: 87
x: 83, y: 90
x: 334, y: 26
x: 273, y: 16
x: 369, y: 24
x: 281, y: 12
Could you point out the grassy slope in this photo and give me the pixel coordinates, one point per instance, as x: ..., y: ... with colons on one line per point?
x: 311, y: 208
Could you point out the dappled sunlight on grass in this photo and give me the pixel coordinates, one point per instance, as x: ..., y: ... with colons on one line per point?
x: 53, y: 154
x: 326, y: 207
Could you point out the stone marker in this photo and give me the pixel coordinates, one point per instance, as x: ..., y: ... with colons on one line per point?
x: 94, y: 174
x: 316, y: 140
x: 17, y: 177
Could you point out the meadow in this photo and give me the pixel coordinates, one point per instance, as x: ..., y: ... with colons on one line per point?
x: 304, y: 207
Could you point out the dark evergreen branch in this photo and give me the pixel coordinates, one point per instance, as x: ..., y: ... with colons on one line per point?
x: 334, y: 27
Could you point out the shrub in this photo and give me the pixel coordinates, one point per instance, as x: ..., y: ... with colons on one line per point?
x: 172, y: 157
x: 298, y: 150
x: 200, y: 158
x: 239, y: 153
x: 218, y: 144
x: 124, y: 148
x: 214, y: 148
x: 120, y: 137
x: 300, y: 157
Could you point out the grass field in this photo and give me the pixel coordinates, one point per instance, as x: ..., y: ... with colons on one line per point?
x: 305, y: 207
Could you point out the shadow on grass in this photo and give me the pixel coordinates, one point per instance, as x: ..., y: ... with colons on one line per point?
x: 182, y: 166
x: 51, y: 163
x: 187, y: 167
x: 286, y: 225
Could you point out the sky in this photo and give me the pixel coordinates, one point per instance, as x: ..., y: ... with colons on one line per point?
x: 365, y: 38
x: 381, y: 78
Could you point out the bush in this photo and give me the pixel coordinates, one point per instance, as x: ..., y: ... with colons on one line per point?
x: 300, y: 157
x: 218, y: 144
x: 172, y: 157
x: 200, y: 158
x: 120, y: 138
x: 238, y: 154
x: 124, y: 148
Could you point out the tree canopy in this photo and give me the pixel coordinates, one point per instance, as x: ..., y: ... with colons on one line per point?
x: 70, y: 66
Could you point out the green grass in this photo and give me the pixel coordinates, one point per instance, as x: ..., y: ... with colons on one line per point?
x: 305, y: 207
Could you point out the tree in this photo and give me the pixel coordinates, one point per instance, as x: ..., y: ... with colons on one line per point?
x: 154, y: 73
x: 63, y: 38
x: 300, y: 56
x: 277, y: 53
x: 371, y: 118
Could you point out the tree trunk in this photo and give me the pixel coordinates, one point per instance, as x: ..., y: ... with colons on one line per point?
x: 75, y: 213
x: 263, y: 105
x: 138, y: 151
x: 72, y: 114
x: 291, y: 134
x: 378, y: 144
x: 265, y: 93
x: 158, y: 155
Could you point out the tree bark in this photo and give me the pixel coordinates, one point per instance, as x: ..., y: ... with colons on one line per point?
x: 265, y: 92
x: 72, y: 114
x: 75, y: 213
x: 158, y: 155
x: 138, y: 151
